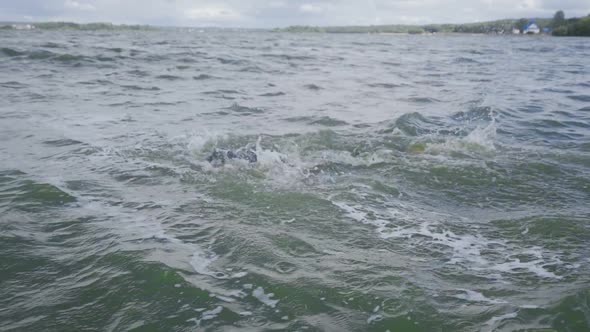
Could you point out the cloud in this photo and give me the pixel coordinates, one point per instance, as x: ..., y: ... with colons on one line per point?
x: 310, y: 8
x: 212, y: 13
x: 71, y: 4
x: 276, y: 13
x: 277, y: 4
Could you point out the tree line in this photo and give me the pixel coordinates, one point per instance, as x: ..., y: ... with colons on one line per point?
x: 577, y: 26
x: 558, y: 25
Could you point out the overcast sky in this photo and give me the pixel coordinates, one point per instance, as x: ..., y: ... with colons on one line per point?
x: 278, y: 13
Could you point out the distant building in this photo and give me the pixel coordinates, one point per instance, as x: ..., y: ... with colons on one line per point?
x: 531, y: 29
x: 23, y: 26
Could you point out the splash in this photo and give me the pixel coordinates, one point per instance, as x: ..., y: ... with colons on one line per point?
x: 481, y: 141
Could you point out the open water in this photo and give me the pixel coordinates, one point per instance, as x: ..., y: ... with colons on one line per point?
x: 402, y: 183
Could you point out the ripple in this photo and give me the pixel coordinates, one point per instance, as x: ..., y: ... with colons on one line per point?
x: 11, y: 52
x: 202, y: 77
x: 273, y: 94
x: 169, y: 77
x: 584, y: 98
x: 328, y: 122
x: 285, y: 267
x: 62, y: 142
x: 229, y: 61
x: 422, y: 100
x: 244, y: 110
x: 384, y: 85
x: 13, y: 85
x: 288, y: 57
x: 312, y: 87
x: 314, y: 120
x: 140, y: 88
x: 138, y: 73
x: 461, y: 60
x: 53, y: 45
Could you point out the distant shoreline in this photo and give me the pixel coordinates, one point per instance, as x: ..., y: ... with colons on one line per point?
x: 557, y: 26
x: 543, y: 26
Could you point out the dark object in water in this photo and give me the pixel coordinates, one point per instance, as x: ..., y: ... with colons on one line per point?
x: 219, y: 156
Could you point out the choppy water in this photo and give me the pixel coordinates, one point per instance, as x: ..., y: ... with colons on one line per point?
x: 403, y: 183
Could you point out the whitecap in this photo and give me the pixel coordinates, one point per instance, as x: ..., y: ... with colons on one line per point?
x: 259, y: 294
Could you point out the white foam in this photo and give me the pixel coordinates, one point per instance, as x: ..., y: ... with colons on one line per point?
x: 466, y: 249
x: 283, y: 222
x: 483, y: 136
x: 535, y: 267
x: 473, y: 296
x: 198, y: 142
x: 206, y: 315
x: 374, y: 318
x: 201, y: 261
x: 355, y: 213
x: 481, y: 140
x: 491, y: 324
x: 258, y: 293
x: 239, y: 275
x: 211, y: 314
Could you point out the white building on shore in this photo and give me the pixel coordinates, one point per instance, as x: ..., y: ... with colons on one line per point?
x: 532, y: 29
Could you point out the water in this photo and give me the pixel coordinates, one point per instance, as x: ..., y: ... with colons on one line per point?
x: 403, y: 183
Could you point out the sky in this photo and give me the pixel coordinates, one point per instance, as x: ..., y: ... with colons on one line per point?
x: 280, y: 13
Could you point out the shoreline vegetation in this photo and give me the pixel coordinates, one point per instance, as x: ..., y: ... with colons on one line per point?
x: 556, y: 26
x: 72, y: 26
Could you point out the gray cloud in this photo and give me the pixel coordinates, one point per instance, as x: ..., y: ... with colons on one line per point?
x: 273, y: 13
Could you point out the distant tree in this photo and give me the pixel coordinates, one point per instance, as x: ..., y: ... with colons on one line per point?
x: 415, y: 30
x: 580, y: 27
x: 574, y: 27
x: 560, y: 31
x: 558, y: 19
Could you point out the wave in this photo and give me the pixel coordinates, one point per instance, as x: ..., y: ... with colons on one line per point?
x: 62, y: 142
x: 169, y: 77
x: 412, y: 124
x: 202, y: 77
x: 384, y: 85
x: 53, y: 45
x: 11, y: 52
x: 312, y: 87
x: 422, y: 100
x: 323, y: 121
x: 583, y: 98
x: 229, y: 61
x: 140, y: 88
x: 222, y: 91
x: 466, y: 249
x: 42, y: 54
x: 13, y: 85
x: 273, y: 94
x: 26, y: 194
x: 138, y: 73
x: 244, y: 110
x: 288, y: 57
x: 461, y: 60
